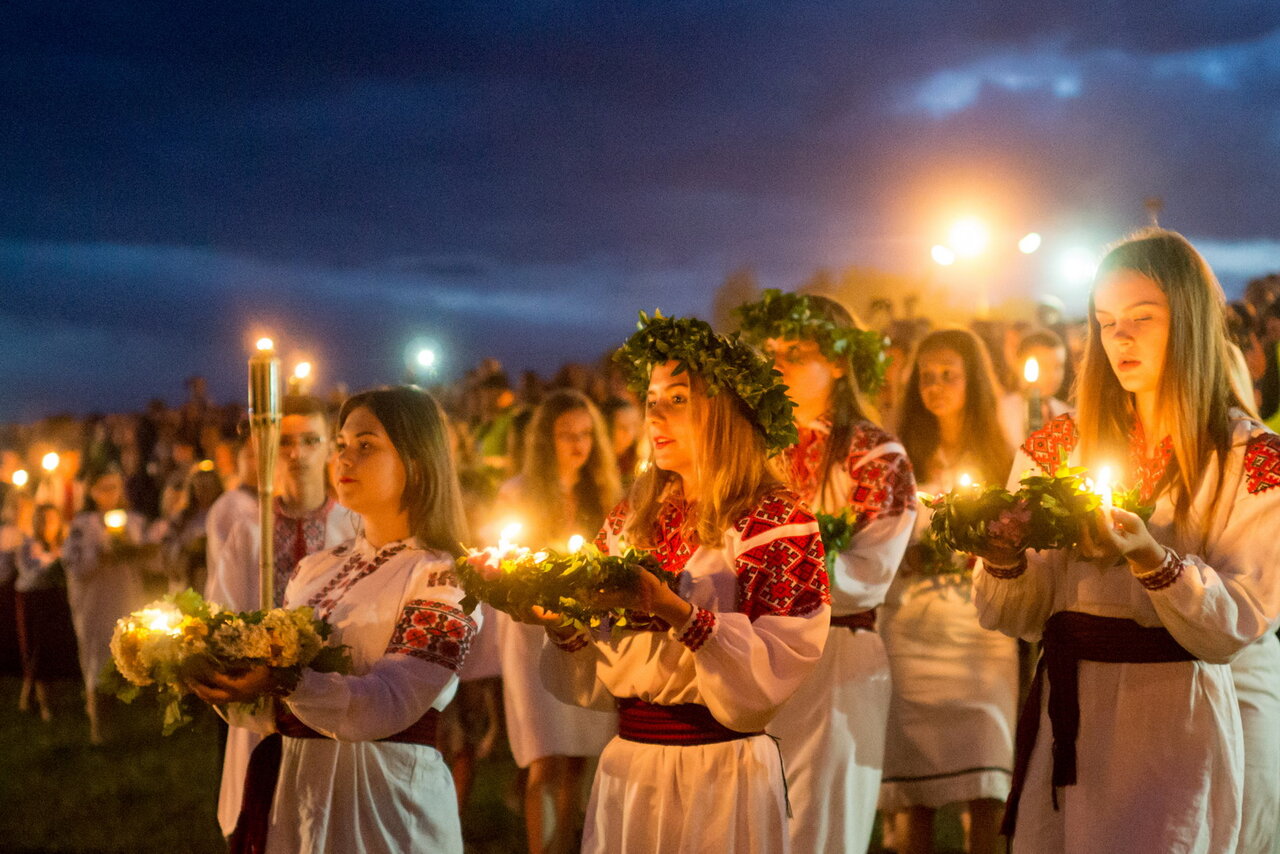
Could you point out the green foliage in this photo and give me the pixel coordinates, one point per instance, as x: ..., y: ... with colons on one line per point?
x: 722, y: 361
x: 568, y: 584
x: 1047, y: 512
x: 837, y: 532
x: 792, y: 317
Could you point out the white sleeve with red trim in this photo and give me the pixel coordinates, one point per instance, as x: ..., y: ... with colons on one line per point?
x: 419, y: 670
x: 883, y: 492
x: 749, y: 663
x: 1216, y: 605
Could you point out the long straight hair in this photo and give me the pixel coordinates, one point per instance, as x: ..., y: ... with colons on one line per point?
x: 597, y: 488
x: 1195, y: 393
x: 918, y: 428
x: 418, y: 431
x: 733, y: 467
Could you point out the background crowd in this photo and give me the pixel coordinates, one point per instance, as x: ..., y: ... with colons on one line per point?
x: 553, y: 452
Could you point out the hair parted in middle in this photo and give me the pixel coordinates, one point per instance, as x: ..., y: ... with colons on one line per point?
x: 418, y: 430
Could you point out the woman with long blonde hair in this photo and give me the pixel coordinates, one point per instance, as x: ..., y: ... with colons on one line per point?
x: 698, y: 674
x: 567, y: 483
x: 1138, y: 743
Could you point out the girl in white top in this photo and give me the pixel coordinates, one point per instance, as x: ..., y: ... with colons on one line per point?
x: 104, y: 581
x: 832, y: 732
x: 1140, y: 621
x: 568, y: 482
x: 701, y: 675
x: 357, y: 770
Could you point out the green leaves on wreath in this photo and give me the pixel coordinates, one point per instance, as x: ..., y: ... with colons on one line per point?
x: 837, y: 532
x: 792, y: 317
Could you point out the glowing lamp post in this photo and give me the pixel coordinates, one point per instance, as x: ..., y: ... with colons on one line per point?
x: 20, y: 478
x: 49, y: 462
x: 264, y: 425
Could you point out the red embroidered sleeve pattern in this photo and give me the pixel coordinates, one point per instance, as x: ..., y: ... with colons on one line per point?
x: 613, y: 525
x: 786, y: 576
x: 1046, y: 444
x: 433, y: 631
x: 1262, y: 463
x: 882, y: 487
x: 1163, y: 575
x: 699, y: 629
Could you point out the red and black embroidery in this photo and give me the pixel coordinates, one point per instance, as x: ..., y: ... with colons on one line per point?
x: 613, y: 525
x: 1005, y: 573
x: 433, y: 631
x: 1163, y: 575
x: 785, y: 576
x: 352, y: 571
x: 804, y: 459
x: 1148, y: 471
x: 698, y: 630
x: 295, y: 538
x: 1262, y: 462
x: 1045, y: 446
x: 881, y: 487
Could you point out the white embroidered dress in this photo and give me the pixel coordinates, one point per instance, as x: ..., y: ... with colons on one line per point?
x: 759, y: 624
x: 233, y: 583
x: 1159, y: 753
x: 398, y: 609
x: 832, y: 731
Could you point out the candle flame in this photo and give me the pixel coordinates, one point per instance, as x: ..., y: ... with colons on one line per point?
x: 964, y: 479
x: 115, y: 520
x: 1031, y: 370
x: 20, y: 477
x: 1103, y: 486
x: 50, y: 461
x: 302, y: 370
x: 575, y: 543
x: 160, y: 620
x: 265, y: 344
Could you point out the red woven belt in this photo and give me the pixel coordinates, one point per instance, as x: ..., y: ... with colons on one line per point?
x: 861, y: 620
x: 682, y: 725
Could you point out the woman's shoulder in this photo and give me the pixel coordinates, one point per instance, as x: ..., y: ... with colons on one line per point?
x: 1046, y: 445
x: 777, y: 507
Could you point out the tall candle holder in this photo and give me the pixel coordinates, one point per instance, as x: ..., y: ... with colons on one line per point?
x: 264, y: 426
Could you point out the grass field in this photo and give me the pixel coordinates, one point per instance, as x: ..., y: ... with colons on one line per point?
x: 142, y: 792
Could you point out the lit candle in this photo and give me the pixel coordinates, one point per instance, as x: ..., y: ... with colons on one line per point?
x: 158, y: 620
x: 115, y: 520
x: 298, y: 379
x: 507, y: 537
x: 575, y: 543
x: 1031, y: 373
x: 964, y: 480
x: 1102, y: 486
x: 20, y: 478
x: 50, y: 461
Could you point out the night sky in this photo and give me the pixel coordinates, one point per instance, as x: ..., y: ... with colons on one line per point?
x: 518, y: 179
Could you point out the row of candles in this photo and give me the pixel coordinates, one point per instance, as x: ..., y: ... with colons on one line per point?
x: 1101, y: 486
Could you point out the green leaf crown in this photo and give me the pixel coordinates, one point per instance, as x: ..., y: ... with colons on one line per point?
x: 722, y: 361
x: 794, y: 317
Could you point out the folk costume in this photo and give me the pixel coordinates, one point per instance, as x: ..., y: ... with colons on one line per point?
x: 692, y: 769
x: 1140, y: 700
x: 233, y: 584
x: 832, y: 730
x: 357, y: 769
x: 955, y: 685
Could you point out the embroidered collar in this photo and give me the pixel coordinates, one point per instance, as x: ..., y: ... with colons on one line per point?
x: 1148, y: 470
x: 320, y: 513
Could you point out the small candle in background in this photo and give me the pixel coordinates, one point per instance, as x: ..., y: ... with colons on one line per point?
x: 50, y: 461
x: 575, y: 543
x: 1031, y: 373
x: 115, y: 520
x: 20, y: 478
x: 964, y: 480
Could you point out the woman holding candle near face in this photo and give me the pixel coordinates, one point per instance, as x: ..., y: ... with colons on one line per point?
x: 955, y: 684
x: 356, y: 768
x: 832, y: 731
x: 1138, y: 744
x: 698, y: 677
x: 567, y: 484
x: 104, y: 579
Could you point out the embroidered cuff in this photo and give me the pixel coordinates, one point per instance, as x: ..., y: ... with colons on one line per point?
x: 1164, y: 574
x: 1005, y: 572
x: 698, y: 629
x: 573, y: 643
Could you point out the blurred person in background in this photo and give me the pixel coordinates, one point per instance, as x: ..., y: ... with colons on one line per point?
x: 41, y: 601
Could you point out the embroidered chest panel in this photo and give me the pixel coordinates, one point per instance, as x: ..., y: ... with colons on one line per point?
x: 1047, y: 444
x: 356, y: 568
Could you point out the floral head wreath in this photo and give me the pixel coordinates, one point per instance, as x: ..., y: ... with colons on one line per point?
x: 793, y: 316
x: 723, y: 362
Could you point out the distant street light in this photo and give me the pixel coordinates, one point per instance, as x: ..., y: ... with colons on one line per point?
x: 302, y: 370
x: 426, y: 358
x: 50, y: 461
x: 1029, y: 244
x: 969, y: 237
x: 20, y: 478
x: 1077, y: 265
x: 943, y: 255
